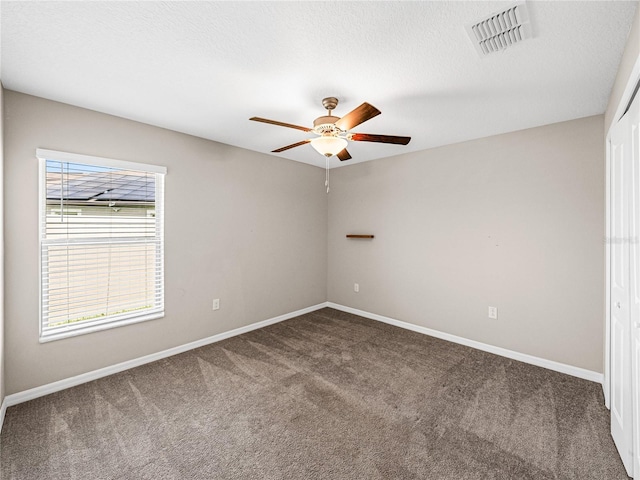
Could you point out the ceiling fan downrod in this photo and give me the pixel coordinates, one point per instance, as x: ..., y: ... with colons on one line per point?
x: 325, y: 125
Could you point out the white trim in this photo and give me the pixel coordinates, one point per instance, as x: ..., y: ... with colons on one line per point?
x: 43, y: 390
x: 105, y: 324
x: 42, y: 214
x: 3, y: 409
x: 606, y: 387
x: 44, y: 154
x: 26, y: 395
x: 632, y: 81
x: 503, y: 352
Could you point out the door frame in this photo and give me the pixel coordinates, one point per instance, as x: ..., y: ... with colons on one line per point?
x: 632, y: 82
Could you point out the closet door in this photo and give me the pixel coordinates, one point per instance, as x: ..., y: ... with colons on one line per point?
x: 621, y: 376
x: 634, y: 153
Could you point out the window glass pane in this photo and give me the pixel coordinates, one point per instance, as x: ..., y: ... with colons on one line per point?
x: 86, y: 201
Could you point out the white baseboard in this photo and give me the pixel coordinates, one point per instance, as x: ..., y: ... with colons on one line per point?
x: 503, y: 352
x: 3, y: 409
x: 43, y: 390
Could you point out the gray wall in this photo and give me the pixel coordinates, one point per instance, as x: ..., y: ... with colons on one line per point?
x: 629, y: 58
x: 257, y: 239
x: 514, y: 221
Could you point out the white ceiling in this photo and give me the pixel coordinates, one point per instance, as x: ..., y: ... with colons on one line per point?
x: 204, y: 68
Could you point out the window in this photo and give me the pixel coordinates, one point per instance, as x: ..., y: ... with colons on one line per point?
x: 101, y: 251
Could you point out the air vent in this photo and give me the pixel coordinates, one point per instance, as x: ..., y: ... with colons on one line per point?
x: 500, y: 30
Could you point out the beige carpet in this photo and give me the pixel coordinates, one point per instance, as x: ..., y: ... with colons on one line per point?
x: 327, y: 395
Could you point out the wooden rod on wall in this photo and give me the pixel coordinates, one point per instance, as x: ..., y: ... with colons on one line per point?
x: 359, y: 236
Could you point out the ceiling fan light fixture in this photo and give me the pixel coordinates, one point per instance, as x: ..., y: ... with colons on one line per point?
x: 329, y: 145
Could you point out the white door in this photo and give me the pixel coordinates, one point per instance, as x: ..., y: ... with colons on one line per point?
x: 621, y: 391
x: 634, y: 153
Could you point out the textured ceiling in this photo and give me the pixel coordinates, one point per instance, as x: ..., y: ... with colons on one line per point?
x: 204, y: 68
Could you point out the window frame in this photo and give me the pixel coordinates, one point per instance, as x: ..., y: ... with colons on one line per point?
x: 112, y: 321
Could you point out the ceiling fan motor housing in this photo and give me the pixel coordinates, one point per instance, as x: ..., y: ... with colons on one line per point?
x: 326, y: 125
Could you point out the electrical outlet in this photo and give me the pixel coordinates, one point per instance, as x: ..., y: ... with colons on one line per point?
x: 493, y: 312
x: 216, y: 304
x: 356, y: 287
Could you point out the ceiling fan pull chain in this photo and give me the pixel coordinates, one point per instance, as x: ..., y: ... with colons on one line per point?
x: 326, y: 180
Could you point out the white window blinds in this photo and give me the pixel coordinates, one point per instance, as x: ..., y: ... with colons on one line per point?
x: 101, y: 238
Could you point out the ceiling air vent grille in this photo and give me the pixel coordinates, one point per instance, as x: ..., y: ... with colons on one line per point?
x: 500, y: 30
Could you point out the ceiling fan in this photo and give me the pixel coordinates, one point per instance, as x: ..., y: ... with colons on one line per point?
x: 333, y: 132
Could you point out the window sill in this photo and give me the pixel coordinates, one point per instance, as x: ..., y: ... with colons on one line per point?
x: 96, y: 328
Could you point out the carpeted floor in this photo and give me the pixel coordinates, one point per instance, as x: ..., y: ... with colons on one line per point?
x: 327, y: 395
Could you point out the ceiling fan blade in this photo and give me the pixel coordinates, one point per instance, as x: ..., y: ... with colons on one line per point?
x: 293, y: 145
x: 367, y: 137
x: 282, y: 124
x: 357, y: 116
x: 343, y: 155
